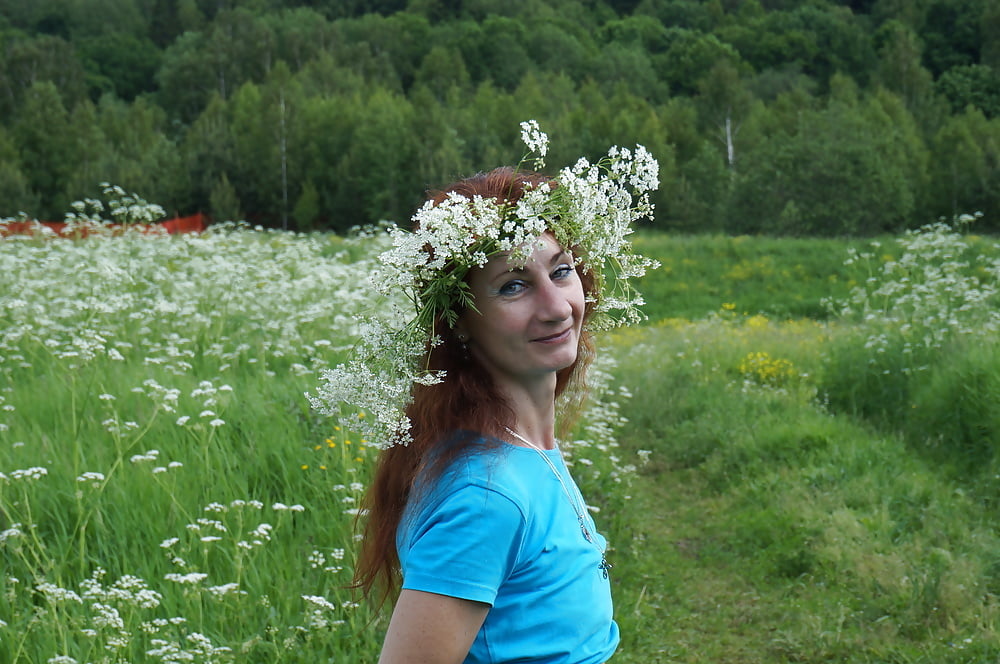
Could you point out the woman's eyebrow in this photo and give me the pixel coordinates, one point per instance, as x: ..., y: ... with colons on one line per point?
x: 557, y: 256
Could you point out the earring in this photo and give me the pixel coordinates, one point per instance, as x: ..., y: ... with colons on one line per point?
x: 462, y: 339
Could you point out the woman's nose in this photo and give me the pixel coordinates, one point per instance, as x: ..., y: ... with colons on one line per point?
x: 554, y: 303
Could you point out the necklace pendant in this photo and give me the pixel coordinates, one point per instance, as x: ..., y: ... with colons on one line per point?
x: 586, y: 533
x: 605, y: 566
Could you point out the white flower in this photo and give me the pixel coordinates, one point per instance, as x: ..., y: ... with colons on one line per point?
x: 33, y: 473
x: 321, y: 602
x: 192, y: 578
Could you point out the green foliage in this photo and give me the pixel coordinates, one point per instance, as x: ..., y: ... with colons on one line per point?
x: 846, y: 168
x: 746, y: 161
x: 225, y: 204
x: 977, y: 86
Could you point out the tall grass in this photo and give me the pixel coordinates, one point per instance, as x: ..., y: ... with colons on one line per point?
x: 166, y: 494
x: 770, y: 529
x: 817, y: 489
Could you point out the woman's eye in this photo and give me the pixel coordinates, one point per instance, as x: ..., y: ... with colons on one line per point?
x: 562, y: 272
x: 511, y: 288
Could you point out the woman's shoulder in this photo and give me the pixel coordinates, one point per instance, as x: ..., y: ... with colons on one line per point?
x: 491, y: 465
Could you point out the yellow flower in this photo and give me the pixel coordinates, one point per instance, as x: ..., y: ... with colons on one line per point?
x: 761, y: 368
x: 728, y: 306
x: 305, y: 466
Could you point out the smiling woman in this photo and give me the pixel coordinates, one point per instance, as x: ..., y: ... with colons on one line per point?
x: 473, y: 516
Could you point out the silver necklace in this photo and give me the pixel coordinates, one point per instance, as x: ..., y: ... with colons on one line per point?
x: 575, y: 502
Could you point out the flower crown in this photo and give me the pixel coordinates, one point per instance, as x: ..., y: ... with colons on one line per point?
x: 591, y: 208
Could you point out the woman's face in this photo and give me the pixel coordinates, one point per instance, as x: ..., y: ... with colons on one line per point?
x: 529, y: 315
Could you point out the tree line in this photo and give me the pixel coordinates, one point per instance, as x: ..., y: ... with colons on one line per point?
x: 814, y: 117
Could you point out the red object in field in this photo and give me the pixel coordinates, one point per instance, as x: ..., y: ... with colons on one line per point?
x: 196, y: 223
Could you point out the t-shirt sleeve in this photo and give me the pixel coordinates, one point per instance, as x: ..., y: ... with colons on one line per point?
x: 464, y: 545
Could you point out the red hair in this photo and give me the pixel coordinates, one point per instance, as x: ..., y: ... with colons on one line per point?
x: 448, y: 419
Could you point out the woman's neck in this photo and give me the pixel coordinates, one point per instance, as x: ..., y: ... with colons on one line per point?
x: 535, y: 415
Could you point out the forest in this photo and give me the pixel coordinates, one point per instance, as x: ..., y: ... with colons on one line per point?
x: 779, y: 117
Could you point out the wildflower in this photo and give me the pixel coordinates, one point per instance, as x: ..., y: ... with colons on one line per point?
x: 192, y: 578
x: 33, y: 473
x: 321, y: 602
x: 93, y: 477
x: 225, y: 589
x: 54, y: 593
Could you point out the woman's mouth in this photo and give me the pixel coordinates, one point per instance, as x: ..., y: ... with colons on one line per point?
x: 559, y: 337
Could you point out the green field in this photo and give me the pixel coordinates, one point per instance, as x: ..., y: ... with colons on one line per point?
x: 781, y: 479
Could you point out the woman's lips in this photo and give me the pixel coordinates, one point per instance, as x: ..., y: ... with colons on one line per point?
x: 554, y: 338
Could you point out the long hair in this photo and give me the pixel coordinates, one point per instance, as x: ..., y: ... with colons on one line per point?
x: 448, y: 419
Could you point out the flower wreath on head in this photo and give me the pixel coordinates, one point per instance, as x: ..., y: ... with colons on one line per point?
x: 591, y: 208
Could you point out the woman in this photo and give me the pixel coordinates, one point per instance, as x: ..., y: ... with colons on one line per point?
x: 476, y: 518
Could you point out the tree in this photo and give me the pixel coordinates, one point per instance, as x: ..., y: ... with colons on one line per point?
x: 185, y: 79
x: 307, y: 210
x: 965, y: 168
x: 501, y: 54
x: 725, y: 102
x: 139, y: 155
x: 224, y: 202
x: 951, y: 34
x: 378, y: 162
x: 43, y: 134
x: 441, y: 71
x: 208, y: 150
x: 16, y: 195
x: 690, y: 56
x: 30, y: 60
x: 899, y: 65
x: 972, y: 85
x: 121, y: 63
x: 838, y: 170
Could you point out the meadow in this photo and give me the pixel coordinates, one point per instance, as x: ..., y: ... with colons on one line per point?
x: 793, y: 458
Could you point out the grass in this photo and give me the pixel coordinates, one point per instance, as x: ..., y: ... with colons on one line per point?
x: 770, y: 529
x: 782, y: 278
x: 801, y: 502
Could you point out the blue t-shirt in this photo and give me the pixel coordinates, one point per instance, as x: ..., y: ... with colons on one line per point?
x: 499, y: 528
